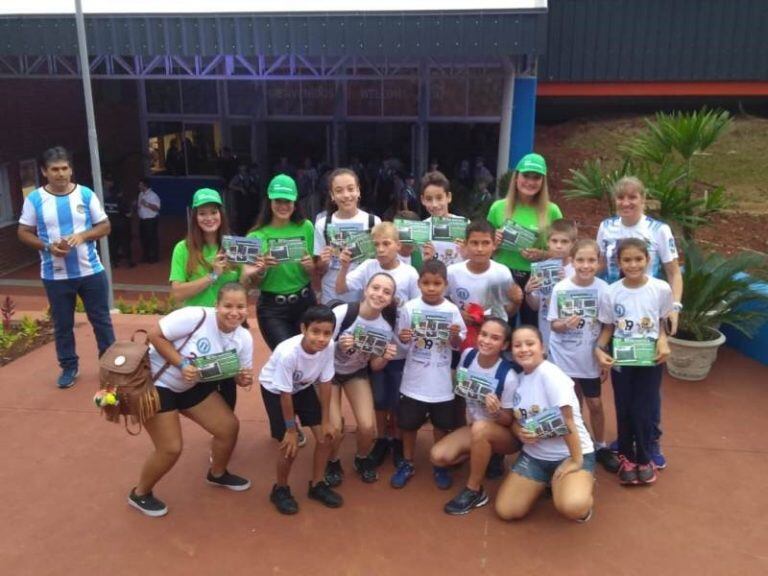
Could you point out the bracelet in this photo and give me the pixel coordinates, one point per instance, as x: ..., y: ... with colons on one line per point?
x: 184, y: 363
x: 290, y: 424
x: 677, y: 306
x: 213, y: 277
x: 603, y: 347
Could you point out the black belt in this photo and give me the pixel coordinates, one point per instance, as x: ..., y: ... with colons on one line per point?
x: 281, y: 299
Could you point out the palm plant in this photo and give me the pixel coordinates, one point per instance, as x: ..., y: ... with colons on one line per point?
x: 719, y: 292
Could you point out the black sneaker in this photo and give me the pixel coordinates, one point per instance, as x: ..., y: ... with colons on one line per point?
x: 397, y: 451
x: 324, y: 494
x: 227, y: 480
x: 367, y: 469
x: 283, y: 500
x: 465, y: 501
x: 608, y: 459
x: 379, y: 451
x: 495, y: 468
x: 334, y: 473
x: 147, y: 504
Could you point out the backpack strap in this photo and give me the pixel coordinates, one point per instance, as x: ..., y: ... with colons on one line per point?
x: 469, y: 358
x: 353, y: 309
x: 371, y: 221
x: 501, y: 375
x: 167, y: 365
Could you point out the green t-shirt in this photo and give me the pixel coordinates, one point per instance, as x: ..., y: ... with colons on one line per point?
x: 179, y: 274
x: 525, y: 216
x: 287, y: 277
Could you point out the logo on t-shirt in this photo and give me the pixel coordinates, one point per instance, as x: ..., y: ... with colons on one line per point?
x: 298, y: 375
x: 462, y: 293
x: 516, y: 399
x: 619, y: 310
x: 203, y: 345
x: 80, y: 208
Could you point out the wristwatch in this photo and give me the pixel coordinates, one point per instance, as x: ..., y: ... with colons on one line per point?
x: 677, y: 306
x: 213, y: 276
x: 184, y: 363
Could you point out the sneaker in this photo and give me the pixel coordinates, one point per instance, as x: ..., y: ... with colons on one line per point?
x: 367, y: 469
x: 302, y: 438
x: 495, y: 468
x: 646, y: 473
x: 397, y: 451
x: 404, y: 472
x: 227, y: 480
x: 379, y: 451
x: 68, y: 378
x: 147, y: 504
x: 586, y: 518
x: 283, y: 500
x: 334, y: 473
x: 627, y: 471
x: 608, y: 459
x: 659, y: 461
x: 442, y: 476
x: 614, y: 446
x: 324, y: 494
x: 465, y: 501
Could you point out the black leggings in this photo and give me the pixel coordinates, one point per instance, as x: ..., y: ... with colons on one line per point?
x: 278, y: 322
x: 526, y: 314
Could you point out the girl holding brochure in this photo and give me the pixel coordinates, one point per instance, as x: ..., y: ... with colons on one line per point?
x: 557, y: 449
x: 281, y: 272
x: 199, y: 268
x: 364, y: 335
x: 527, y: 212
x: 633, y: 311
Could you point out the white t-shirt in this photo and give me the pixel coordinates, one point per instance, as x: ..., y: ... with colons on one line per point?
x: 208, y: 339
x: 573, y: 350
x: 291, y: 369
x: 488, y: 289
x: 475, y: 409
x: 657, y: 235
x: 636, y: 312
x: 427, y: 372
x: 546, y: 387
x: 150, y: 196
x: 447, y: 252
x: 55, y: 217
x: 358, y: 222
x: 543, y: 295
x: 353, y: 360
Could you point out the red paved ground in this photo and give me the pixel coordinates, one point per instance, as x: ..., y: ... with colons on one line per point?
x: 67, y: 472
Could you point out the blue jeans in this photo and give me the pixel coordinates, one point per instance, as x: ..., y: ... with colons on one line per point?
x: 62, y: 295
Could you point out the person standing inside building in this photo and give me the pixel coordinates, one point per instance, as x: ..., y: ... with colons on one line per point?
x: 245, y: 197
x: 63, y: 220
x: 119, y: 210
x: 149, y: 221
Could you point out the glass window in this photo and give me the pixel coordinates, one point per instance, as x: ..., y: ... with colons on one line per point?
x: 201, y: 141
x: 364, y: 98
x: 163, y: 97
x: 240, y: 135
x: 165, y: 151
x: 485, y: 95
x: 284, y: 98
x: 200, y: 97
x: 401, y: 98
x: 448, y: 97
x: 242, y: 98
x: 6, y: 207
x: 29, y: 176
x: 318, y: 98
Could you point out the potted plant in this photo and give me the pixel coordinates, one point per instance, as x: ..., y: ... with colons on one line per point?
x: 717, y: 290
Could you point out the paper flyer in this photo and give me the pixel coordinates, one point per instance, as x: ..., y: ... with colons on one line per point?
x: 582, y: 303
x: 339, y: 232
x: 361, y: 246
x: 634, y: 351
x: 372, y: 341
x: 547, y: 424
x: 217, y: 366
x: 474, y: 386
x: 549, y: 272
x: 516, y: 237
x: 241, y: 250
x: 449, y: 228
x: 413, y: 231
x: 287, y: 249
x: 431, y: 325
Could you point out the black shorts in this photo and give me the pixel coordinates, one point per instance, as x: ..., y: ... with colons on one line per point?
x: 170, y: 400
x: 411, y: 414
x: 341, y: 379
x: 590, y: 387
x: 455, y: 358
x: 306, y: 405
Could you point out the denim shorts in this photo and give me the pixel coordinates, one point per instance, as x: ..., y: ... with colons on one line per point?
x: 543, y: 470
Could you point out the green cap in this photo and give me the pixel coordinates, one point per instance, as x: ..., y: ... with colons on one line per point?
x: 206, y: 196
x: 282, y: 187
x: 532, y: 163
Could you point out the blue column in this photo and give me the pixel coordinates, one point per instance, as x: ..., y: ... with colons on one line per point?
x: 523, y: 119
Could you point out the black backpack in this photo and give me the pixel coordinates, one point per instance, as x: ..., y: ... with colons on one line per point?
x: 353, y: 311
x: 501, y: 372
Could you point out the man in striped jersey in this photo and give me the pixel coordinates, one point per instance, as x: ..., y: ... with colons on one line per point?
x: 63, y: 220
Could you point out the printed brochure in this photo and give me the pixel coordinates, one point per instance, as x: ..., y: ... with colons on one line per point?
x: 549, y: 272
x: 547, y: 424
x: 287, y: 249
x: 516, y: 237
x: 372, y: 341
x: 241, y: 250
x: 340, y: 232
x: 474, y: 386
x: 361, y: 246
x: 431, y: 325
x: 634, y: 351
x: 582, y: 303
x: 217, y: 366
x: 449, y: 228
x: 413, y: 231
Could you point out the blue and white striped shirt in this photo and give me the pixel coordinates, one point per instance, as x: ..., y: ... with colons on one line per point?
x: 57, y: 217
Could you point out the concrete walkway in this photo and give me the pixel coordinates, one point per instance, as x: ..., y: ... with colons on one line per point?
x: 67, y: 472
